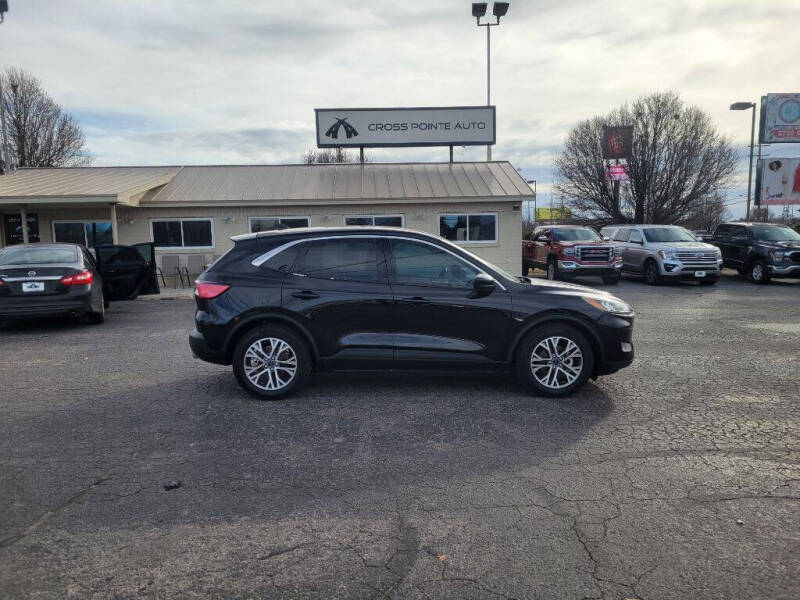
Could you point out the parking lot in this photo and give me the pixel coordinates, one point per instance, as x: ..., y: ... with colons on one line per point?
x: 675, y: 478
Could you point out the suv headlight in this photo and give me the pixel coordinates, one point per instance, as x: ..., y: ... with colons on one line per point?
x: 617, y: 250
x: 613, y: 305
x: 779, y: 254
x: 569, y: 251
x: 666, y: 253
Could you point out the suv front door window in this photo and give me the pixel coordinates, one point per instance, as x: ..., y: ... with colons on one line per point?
x: 438, y: 315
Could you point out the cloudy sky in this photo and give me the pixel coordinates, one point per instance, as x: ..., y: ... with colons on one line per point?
x: 227, y: 81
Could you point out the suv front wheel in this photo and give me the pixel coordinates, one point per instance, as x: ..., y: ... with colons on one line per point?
x: 554, y: 361
x: 271, y: 362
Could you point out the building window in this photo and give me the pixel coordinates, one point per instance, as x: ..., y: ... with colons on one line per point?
x: 469, y: 227
x: 86, y: 233
x: 376, y: 220
x: 12, y: 225
x: 183, y: 233
x: 271, y: 223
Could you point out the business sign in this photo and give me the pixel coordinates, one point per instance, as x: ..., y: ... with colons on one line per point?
x: 780, y: 118
x: 553, y: 214
x: 387, y: 127
x: 616, y: 172
x: 780, y: 181
x: 617, y: 142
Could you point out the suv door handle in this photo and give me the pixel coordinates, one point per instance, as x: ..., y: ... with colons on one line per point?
x: 305, y: 295
x: 415, y: 300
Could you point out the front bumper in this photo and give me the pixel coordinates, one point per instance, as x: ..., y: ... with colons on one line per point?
x: 675, y: 269
x: 784, y: 270
x: 574, y: 267
x: 616, y: 333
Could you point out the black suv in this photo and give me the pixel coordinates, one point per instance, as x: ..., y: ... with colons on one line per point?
x: 283, y: 303
x: 759, y: 251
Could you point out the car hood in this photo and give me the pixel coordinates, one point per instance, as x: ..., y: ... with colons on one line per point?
x: 569, y: 289
x: 681, y: 246
x: 788, y: 245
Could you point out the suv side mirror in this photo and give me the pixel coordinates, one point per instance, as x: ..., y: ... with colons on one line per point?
x: 482, y: 285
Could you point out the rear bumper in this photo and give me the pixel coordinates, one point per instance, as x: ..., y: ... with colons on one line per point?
x: 200, y: 349
x: 44, y: 306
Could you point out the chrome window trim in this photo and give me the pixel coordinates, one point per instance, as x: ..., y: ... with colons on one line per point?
x: 260, y: 260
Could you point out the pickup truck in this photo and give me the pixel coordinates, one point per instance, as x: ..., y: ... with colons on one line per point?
x: 759, y: 251
x: 564, y: 251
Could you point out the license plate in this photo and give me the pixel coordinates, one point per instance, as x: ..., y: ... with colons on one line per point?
x: 33, y: 286
x: 699, y: 273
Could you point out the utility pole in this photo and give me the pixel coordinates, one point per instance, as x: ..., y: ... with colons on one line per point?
x: 6, y: 162
x: 499, y: 9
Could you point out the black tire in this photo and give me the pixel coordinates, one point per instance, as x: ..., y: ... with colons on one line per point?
x: 525, y: 268
x: 651, y: 273
x: 296, y: 344
x: 742, y: 271
x: 757, y: 272
x: 553, y: 273
x: 526, y: 372
x: 611, y: 279
x: 97, y: 318
x: 709, y: 281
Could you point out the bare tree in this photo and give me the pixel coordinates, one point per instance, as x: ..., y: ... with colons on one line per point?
x: 40, y: 132
x: 679, y: 159
x: 328, y: 155
x: 707, y: 213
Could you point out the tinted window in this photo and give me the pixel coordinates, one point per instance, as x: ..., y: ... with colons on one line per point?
x: 71, y: 233
x: 271, y: 223
x: 572, y: 235
x: 38, y: 256
x: 622, y: 235
x: 722, y: 231
x: 197, y: 233
x: 345, y: 259
x: 167, y: 233
x: 668, y: 234
x: 389, y: 221
x: 635, y: 235
x: 421, y: 264
x: 115, y: 255
x: 775, y: 234
x: 468, y: 228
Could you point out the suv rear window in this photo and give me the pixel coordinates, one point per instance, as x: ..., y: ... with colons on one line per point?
x: 346, y: 259
x: 29, y: 255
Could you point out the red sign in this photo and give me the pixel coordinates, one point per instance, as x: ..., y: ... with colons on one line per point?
x: 617, y: 173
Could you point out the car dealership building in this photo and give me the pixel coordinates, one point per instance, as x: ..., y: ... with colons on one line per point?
x: 194, y: 210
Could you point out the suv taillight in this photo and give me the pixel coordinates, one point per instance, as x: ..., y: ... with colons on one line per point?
x: 82, y: 278
x: 207, y: 291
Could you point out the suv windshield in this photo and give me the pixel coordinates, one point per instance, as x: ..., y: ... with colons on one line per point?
x: 776, y: 234
x: 37, y: 256
x: 668, y: 234
x: 573, y: 235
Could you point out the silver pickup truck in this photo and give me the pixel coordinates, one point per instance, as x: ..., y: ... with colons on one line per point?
x: 659, y: 252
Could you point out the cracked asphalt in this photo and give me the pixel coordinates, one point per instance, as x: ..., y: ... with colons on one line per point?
x: 675, y: 478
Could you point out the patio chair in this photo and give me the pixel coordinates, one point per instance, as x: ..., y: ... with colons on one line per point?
x: 170, y: 264
x: 195, y: 264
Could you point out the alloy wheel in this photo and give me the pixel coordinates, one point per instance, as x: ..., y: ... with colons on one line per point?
x: 551, y: 271
x: 758, y: 272
x: 652, y: 272
x: 556, y: 362
x: 270, y: 364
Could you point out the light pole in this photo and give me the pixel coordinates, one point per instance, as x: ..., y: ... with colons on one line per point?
x: 499, y: 9
x: 746, y: 106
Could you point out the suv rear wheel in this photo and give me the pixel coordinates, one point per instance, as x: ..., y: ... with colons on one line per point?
x: 271, y: 362
x: 554, y: 360
x: 757, y: 272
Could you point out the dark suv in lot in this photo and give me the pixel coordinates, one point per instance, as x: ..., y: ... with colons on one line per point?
x: 759, y: 251
x: 281, y: 304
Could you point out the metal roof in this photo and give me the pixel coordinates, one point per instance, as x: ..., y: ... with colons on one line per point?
x: 341, y: 183
x: 83, y: 182
x: 278, y: 184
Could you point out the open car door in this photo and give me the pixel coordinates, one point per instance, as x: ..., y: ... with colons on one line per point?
x: 127, y: 271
